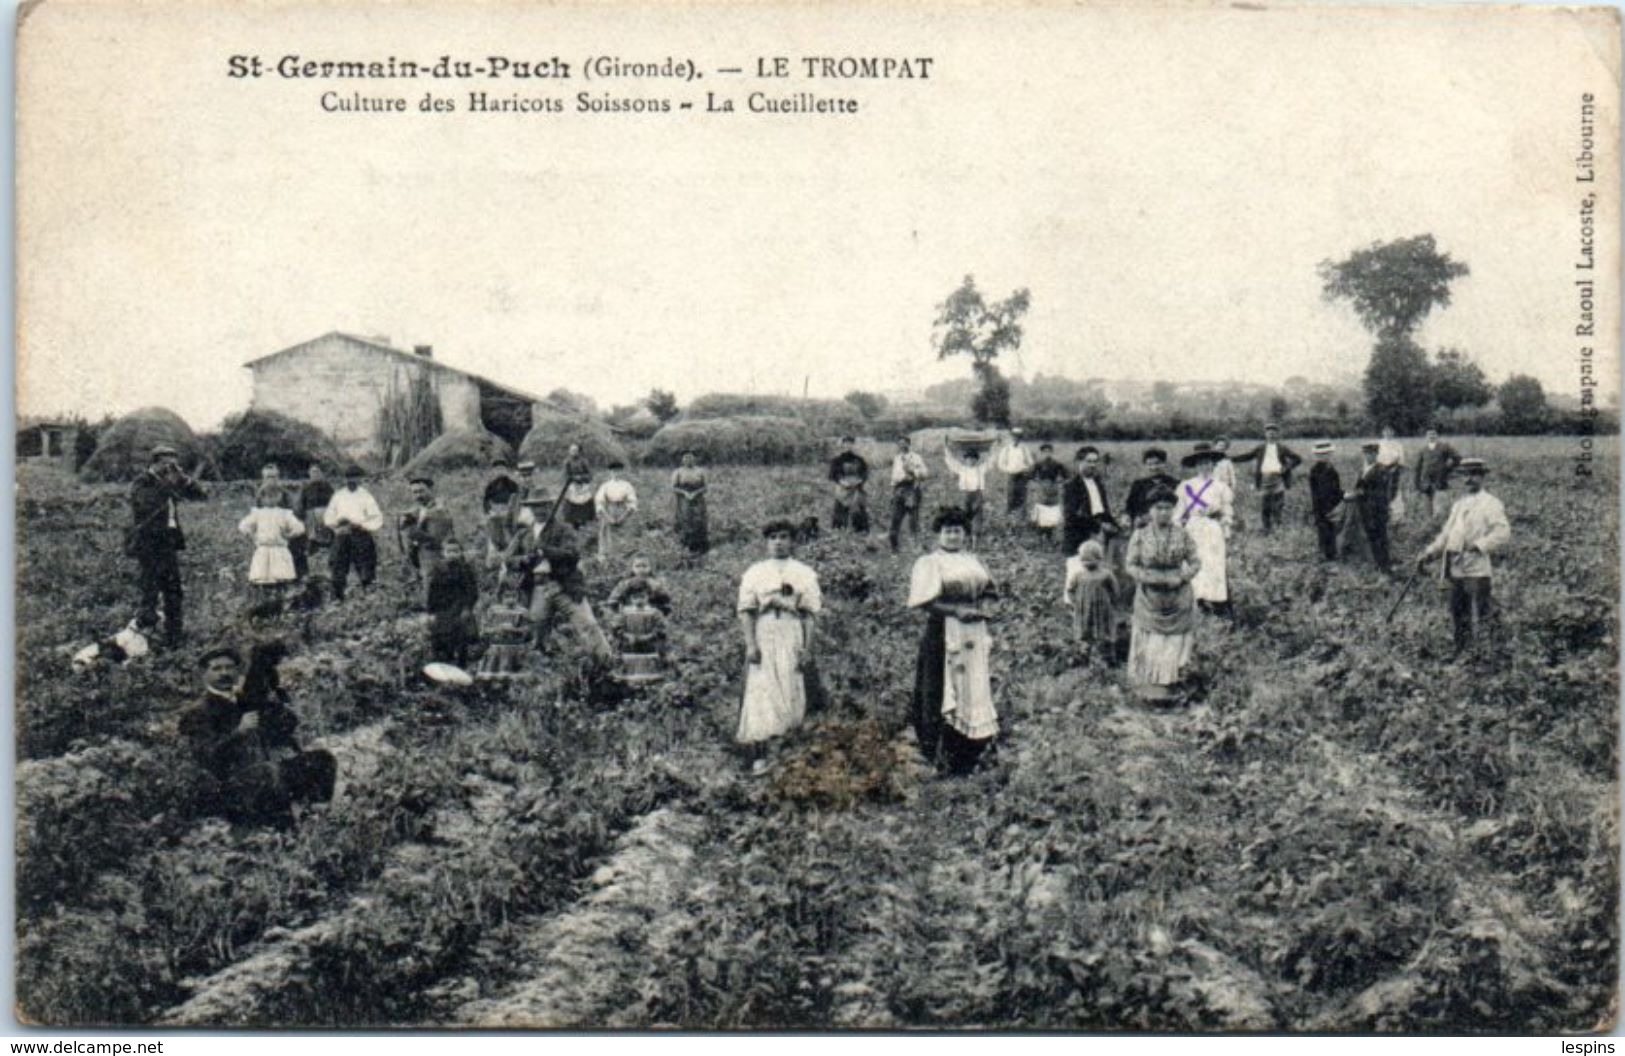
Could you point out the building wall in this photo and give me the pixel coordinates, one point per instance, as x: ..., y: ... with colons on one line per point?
x: 339, y: 385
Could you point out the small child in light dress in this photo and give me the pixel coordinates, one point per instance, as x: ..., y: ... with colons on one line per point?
x: 1091, y: 594
x: 270, y: 524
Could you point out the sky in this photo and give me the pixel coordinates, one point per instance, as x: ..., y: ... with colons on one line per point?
x: 1164, y: 181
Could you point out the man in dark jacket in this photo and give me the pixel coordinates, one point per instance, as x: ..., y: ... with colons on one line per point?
x: 241, y: 732
x: 849, y: 472
x: 313, y: 498
x: 1433, y: 468
x: 1273, y: 463
x: 1085, y: 510
x: 1372, y: 493
x: 1325, y: 496
x: 1156, y: 478
x: 155, y: 539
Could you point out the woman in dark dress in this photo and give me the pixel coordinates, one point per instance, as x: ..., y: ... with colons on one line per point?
x: 688, y: 484
x: 954, y: 716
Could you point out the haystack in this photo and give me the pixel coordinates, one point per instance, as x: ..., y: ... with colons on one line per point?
x: 249, y: 440
x: 125, y: 447
x: 552, y: 433
x: 747, y: 440
x: 459, y: 449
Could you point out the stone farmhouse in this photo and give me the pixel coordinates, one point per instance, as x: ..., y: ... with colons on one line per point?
x: 342, y: 383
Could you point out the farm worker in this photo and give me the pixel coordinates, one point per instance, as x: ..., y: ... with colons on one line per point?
x: 1476, y: 528
x: 778, y: 608
x: 578, y: 494
x: 954, y: 717
x: 501, y: 489
x: 271, y: 525
x: 271, y: 474
x: 353, y: 516
x: 527, y: 476
x: 1085, y: 509
x: 849, y: 472
x: 241, y: 732
x: 1365, y: 522
x: 309, y: 506
x: 550, y: 577
x: 908, y: 477
x: 1049, y: 478
x: 155, y: 539
x: 970, y: 469
x: 427, y: 526
x: 1434, y: 465
x: 1016, y: 463
x: 453, y: 591
x: 615, y: 503
x: 1162, y: 561
x: 1206, y: 507
x: 688, y: 487
x: 1138, y: 504
x: 1325, y: 496
x: 1090, y: 591
x: 500, y: 505
x: 1273, y: 463
x: 1391, y: 454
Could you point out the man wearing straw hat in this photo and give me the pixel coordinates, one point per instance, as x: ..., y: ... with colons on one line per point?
x: 1476, y: 528
x: 1325, y: 496
x: 155, y: 539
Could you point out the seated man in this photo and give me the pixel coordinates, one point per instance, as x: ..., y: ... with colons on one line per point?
x: 241, y: 732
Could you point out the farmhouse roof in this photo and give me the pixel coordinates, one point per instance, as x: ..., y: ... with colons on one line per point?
x: 383, y: 346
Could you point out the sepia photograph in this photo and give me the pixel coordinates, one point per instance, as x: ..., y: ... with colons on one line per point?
x: 885, y: 516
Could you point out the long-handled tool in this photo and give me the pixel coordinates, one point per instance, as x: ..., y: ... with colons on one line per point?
x: 1406, y: 589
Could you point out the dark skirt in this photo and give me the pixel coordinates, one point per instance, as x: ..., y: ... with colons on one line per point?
x: 945, y: 747
x: 577, y: 514
x: 692, y: 526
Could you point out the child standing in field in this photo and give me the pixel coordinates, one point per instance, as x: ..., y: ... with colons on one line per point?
x: 270, y: 524
x: 1091, y: 593
x: 453, y: 591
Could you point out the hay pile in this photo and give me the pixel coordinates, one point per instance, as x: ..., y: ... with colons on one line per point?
x: 249, y: 440
x: 551, y: 434
x: 125, y: 447
x: 749, y: 440
x: 459, y: 449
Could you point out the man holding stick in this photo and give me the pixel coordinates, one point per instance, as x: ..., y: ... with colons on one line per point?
x: 1477, y: 527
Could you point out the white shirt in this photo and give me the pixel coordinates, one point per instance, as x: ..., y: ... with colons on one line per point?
x: 1271, y: 463
x: 1095, y: 504
x: 357, y: 507
x: 1014, y: 459
x: 619, y: 493
x: 1476, y: 521
x: 908, y: 464
x: 766, y: 581
x: 971, y: 477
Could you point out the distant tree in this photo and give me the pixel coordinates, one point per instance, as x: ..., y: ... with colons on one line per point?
x: 1458, y: 381
x: 573, y: 402
x: 1163, y: 394
x: 1342, y: 410
x: 868, y: 404
x: 1224, y: 407
x: 1399, y: 385
x: 969, y: 325
x: 1321, y: 399
x: 1523, y: 403
x: 661, y: 404
x: 1392, y: 286
x: 1095, y: 410
x: 1278, y: 408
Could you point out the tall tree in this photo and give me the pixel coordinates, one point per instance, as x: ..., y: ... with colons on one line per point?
x: 1399, y: 384
x: 1458, y: 381
x: 1523, y: 403
x: 661, y: 404
x: 1278, y: 408
x: 967, y: 324
x: 1392, y: 286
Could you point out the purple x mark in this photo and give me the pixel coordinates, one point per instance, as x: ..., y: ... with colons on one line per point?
x: 1196, y: 498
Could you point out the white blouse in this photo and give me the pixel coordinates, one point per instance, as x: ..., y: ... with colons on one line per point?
x: 788, y: 581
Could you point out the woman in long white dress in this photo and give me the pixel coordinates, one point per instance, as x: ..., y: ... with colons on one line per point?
x: 954, y: 717
x: 779, y: 602
x: 1391, y: 453
x: 1206, y: 509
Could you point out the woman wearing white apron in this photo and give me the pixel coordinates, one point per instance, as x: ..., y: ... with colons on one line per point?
x: 779, y: 601
x: 1206, y: 508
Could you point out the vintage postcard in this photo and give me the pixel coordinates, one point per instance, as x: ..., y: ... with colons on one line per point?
x: 877, y: 515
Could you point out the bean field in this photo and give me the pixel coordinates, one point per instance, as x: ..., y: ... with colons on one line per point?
x: 1342, y: 831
